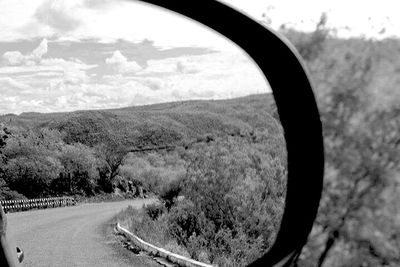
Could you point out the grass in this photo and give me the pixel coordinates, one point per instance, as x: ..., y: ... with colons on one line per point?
x: 150, y: 231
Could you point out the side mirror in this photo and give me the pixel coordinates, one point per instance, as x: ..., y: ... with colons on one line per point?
x: 297, y: 109
x: 20, y: 254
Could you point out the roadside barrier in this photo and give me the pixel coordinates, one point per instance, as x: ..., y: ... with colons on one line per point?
x: 156, y: 251
x: 38, y: 203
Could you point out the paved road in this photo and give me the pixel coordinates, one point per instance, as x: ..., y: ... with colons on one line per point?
x: 72, y: 236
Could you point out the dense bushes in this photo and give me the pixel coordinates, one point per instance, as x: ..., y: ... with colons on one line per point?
x: 79, y: 169
x: 31, y: 176
x: 155, y: 171
x: 226, y: 207
x: 31, y: 162
x: 37, y: 163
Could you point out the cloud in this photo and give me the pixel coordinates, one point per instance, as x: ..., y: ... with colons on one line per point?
x: 162, y: 66
x: 19, y: 105
x: 193, y: 94
x: 57, y: 14
x: 60, y: 84
x: 212, y: 76
x: 13, y: 57
x: 41, y: 50
x: 176, y: 65
x: 120, y: 63
x: 16, y: 58
x: 154, y: 84
x: 73, y: 71
x: 98, y: 4
x: 37, y: 82
x: 183, y: 67
x: 34, y: 68
x: 66, y: 71
x: 8, y: 83
x: 62, y: 63
x: 74, y: 76
x: 16, y: 70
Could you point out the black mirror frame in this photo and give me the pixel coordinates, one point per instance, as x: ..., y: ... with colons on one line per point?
x: 298, y: 113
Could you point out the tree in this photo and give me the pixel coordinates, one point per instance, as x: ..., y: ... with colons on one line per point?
x: 4, y: 135
x: 5, y: 192
x: 80, y: 171
x: 30, y: 161
x: 32, y: 176
x: 111, y: 155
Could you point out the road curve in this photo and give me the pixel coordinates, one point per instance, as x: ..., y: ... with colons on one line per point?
x: 72, y: 236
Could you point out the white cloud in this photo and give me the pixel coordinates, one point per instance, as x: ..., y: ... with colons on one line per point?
x: 152, y: 83
x: 212, y: 76
x: 41, y: 50
x: 183, y: 66
x: 13, y: 16
x: 32, y: 69
x: 74, y: 76
x: 168, y: 65
x: 7, y: 83
x: 76, y: 63
x: 121, y: 63
x: 13, y: 57
x: 225, y: 74
x: 60, y: 15
x: 48, y: 70
x: 60, y: 84
x: 36, y: 71
x: 19, y: 105
x: 17, y: 58
x: 233, y: 71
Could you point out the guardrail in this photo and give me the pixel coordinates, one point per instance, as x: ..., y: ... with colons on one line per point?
x: 38, y: 203
x: 156, y: 251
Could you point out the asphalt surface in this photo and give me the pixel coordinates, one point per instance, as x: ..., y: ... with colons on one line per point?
x: 73, y: 236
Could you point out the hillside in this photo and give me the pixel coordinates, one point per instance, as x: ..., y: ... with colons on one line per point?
x: 158, y: 124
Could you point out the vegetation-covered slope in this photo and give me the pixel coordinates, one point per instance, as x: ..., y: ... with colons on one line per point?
x: 226, y: 155
x: 156, y: 125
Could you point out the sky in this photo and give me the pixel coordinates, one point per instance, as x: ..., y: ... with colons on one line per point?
x: 96, y: 54
x: 350, y: 18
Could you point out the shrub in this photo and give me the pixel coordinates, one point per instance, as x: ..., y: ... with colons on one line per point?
x: 154, y: 211
x: 173, y: 247
x: 170, y: 192
x: 183, y: 221
x: 31, y: 176
x: 8, y: 194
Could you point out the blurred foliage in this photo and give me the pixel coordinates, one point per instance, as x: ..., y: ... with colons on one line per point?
x: 356, y: 84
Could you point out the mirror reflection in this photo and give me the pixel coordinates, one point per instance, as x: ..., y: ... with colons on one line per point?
x: 125, y: 112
